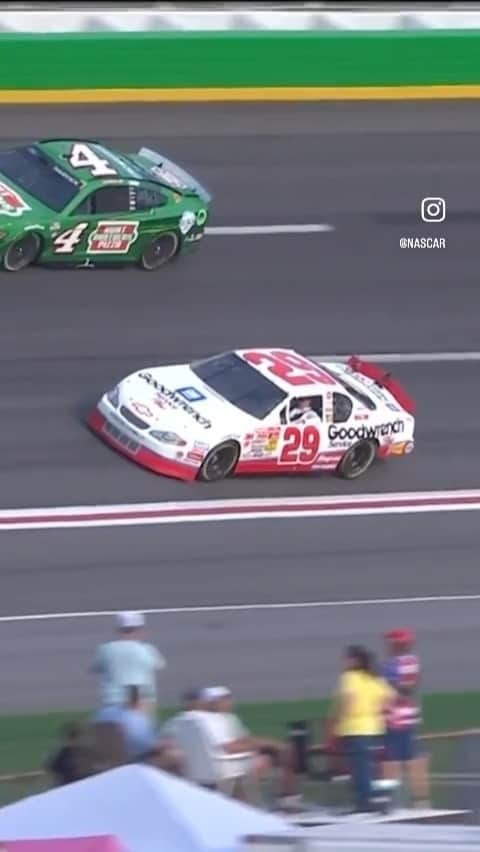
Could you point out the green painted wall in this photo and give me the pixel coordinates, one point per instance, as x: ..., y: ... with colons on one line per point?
x: 199, y: 59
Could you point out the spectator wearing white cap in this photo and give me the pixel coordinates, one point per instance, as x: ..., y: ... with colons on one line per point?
x: 128, y: 661
x: 231, y: 735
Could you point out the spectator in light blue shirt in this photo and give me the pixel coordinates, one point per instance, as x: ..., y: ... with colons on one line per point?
x: 127, y: 661
x: 140, y: 733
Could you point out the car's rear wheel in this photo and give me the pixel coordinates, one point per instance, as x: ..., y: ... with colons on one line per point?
x: 357, y: 460
x: 159, y: 251
x: 22, y: 252
x: 220, y: 462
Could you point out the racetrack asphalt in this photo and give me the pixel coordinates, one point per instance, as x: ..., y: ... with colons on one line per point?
x: 261, y: 653
x: 66, y: 336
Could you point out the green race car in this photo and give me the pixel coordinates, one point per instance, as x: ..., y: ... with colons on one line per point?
x: 81, y: 203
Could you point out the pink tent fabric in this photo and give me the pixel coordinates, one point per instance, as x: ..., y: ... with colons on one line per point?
x: 78, y: 844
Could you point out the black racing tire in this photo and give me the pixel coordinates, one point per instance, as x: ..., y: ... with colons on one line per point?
x: 159, y: 251
x: 22, y: 253
x: 357, y: 460
x: 220, y: 462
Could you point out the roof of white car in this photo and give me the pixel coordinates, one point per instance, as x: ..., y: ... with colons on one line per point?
x: 316, y: 382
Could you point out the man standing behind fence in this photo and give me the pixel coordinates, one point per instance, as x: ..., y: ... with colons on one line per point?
x: 128, y: 661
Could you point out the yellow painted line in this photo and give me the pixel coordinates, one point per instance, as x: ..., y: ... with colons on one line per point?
x: 274, y: 93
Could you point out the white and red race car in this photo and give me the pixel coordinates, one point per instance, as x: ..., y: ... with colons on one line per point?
x: 257, y: 411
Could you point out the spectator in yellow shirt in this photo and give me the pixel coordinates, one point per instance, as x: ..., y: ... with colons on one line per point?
x: 359, y: 719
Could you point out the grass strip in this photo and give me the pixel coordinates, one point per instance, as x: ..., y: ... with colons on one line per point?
x: 26, y: 739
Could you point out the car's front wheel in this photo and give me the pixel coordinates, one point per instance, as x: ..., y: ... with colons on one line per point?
x: 220, y: 462
x: 22, y: 253
x: 159, y: 251
x: 357, y: 460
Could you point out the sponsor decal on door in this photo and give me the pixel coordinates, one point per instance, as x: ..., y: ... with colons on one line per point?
x: 112, y: 237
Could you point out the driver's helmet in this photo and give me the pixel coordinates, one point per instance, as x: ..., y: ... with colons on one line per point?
x: 302, y: 404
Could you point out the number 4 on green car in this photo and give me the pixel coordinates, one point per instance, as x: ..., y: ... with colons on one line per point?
x: 83, y: 204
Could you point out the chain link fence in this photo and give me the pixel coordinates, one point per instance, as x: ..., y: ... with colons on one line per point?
x: 455, y: 770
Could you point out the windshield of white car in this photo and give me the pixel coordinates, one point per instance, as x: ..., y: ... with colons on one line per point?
x: 31, y: 170
x: 240, y: 384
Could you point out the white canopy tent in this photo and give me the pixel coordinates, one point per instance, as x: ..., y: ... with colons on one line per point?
x: 144, y: 808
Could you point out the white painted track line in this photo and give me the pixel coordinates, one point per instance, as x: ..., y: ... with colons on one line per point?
x: 244, y: 230
x: 406, y: 357
x: 252, y: 607
x: 136, y: 514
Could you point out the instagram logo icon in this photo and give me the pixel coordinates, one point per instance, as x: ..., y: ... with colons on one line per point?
x: 433, y: 209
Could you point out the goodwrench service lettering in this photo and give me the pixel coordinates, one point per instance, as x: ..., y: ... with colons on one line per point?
x: 384, y: 430
x: 176, y: 399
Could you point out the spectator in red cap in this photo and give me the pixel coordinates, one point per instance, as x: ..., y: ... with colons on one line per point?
x: 403, y: 750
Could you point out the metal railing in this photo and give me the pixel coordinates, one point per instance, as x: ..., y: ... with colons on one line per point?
x: 454, y: 765
x: 110, y: 5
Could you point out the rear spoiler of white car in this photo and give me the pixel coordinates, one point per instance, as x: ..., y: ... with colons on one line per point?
x: 384, y: 380
x: 173, y: 176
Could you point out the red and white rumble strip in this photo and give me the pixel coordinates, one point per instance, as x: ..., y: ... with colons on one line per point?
x: 135, y: 514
